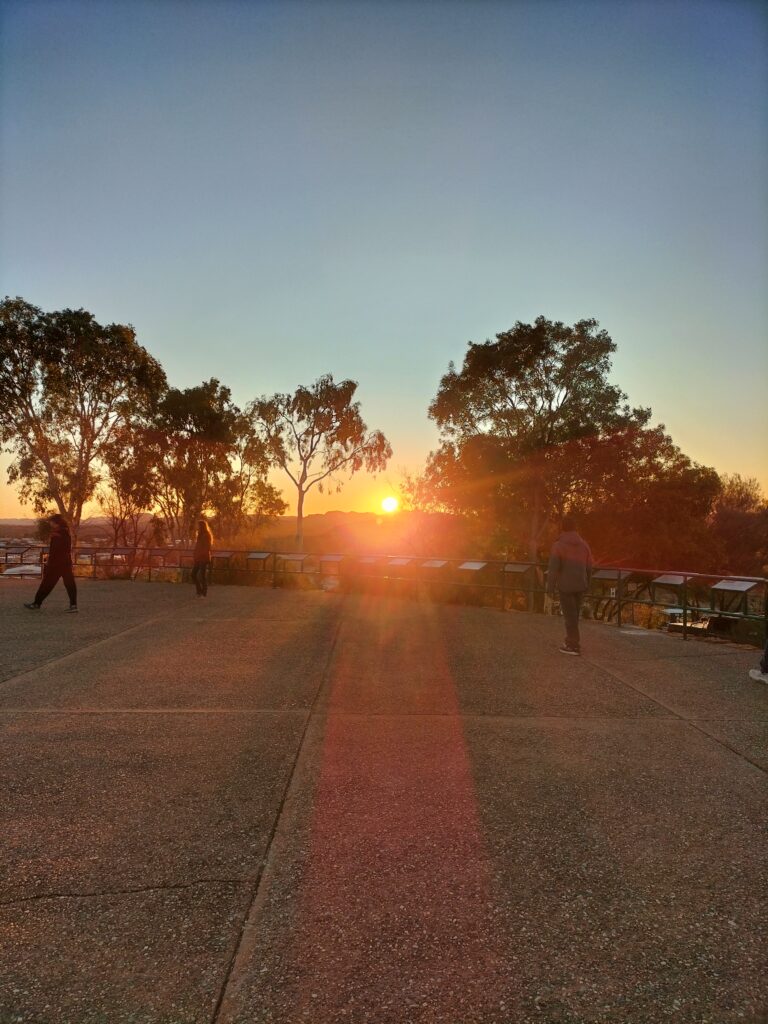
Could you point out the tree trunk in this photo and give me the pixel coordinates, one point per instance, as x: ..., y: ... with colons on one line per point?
x: 533, y: 540
x: 78, y: 514
x: 300, y: 521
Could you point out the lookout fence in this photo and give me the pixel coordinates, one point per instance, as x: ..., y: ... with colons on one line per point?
x: 686, y: 602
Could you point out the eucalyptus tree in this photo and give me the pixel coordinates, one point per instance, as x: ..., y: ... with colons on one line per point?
x: 188, y: 449
x: 531, y: 427
x: 739, y: 524
x: 318, y: 436
x: 127, y: 492
x: 247, y: 497
x: 206, y: 456
x: 517, y: 407
x: 67, y: 386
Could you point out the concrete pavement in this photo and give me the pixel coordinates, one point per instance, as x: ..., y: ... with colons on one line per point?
x: 277, y: 806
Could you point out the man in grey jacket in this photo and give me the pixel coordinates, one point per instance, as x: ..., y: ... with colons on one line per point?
x: 570, y: 569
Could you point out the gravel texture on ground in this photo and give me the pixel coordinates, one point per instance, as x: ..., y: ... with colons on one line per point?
x: 286, y: 807
x: 153, y: 957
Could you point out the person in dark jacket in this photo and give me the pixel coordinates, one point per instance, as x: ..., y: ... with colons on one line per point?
x: 58, y: 565
x: 202, y: 558
x: 570, y: 569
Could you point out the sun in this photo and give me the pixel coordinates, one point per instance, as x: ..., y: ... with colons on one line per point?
x: 390, y: 504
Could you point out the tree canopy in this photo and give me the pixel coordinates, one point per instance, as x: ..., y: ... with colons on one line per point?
x: 739, y: 526
x: 509, y: 418
x: 317, y: 435
x: 68, y: 385
x: 532, y: 427
x: 536, y: 385
x: 205, y: 456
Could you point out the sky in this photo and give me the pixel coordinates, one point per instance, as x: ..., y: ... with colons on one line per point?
x: 272, y: 191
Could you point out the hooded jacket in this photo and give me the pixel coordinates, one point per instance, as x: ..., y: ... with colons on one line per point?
x: 60, y: 550
x: 570, y: 564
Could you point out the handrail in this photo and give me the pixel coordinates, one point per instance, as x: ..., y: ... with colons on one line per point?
x: 632, y: 587
x: 231, y: 552
x: 685, y: 572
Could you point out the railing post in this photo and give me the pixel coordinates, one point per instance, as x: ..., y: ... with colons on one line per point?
x: 503, y: 585
x: 619, y: 582
x: 685, y: 607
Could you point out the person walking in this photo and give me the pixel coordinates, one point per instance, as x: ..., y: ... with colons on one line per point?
x: 570, y: 569
x: 58, y: 565
x: 202, y: 558
x: 760, y: 675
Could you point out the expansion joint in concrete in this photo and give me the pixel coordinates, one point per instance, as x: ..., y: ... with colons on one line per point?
x: 240, y: 952
x: 681, y: 717
x: 73, y: 655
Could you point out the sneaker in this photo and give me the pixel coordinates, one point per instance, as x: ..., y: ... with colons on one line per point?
x: 33, y: 607
x: 754, y: 673
x: 565, y: 649
x: 72, y: 608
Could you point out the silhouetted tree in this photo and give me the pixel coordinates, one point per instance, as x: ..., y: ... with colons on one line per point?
x: 316, y: 434
x: 641, y: 500
x: 739, y: 526
x: 188, y: 449
x: 127, y: 493
x: 535, y: 389
x: 207, y: 456
x: 531, y: 428
x: 67, y: 384
x: 246, y: 499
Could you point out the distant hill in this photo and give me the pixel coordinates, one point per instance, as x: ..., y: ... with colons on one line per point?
x: 416, y: 533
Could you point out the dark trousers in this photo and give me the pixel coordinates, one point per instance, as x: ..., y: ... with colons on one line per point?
x: 51, y: 577
x: 200, y: 577
x: 764, y: 660
x: 571, y: 606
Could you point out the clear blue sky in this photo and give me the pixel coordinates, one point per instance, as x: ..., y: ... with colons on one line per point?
x: 271, y: 191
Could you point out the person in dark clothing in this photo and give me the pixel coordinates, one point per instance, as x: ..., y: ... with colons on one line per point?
x: 202, y: 558
x: 58, y: 566
x: 570, y: 569
x: 760, y: 675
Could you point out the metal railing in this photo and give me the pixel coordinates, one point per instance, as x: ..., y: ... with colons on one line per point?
x: 20, y: 554
x: 688, y: 602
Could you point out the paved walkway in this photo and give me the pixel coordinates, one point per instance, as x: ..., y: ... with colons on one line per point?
x: 285, y: 807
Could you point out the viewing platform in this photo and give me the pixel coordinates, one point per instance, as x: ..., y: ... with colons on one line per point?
x: 273, y: 806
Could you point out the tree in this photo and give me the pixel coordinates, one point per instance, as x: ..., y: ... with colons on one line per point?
x: 532, y: 392
x: 316, y: 435
x: 127, y: 495
x: 641, y: 500
x: 247, y: 498
x: 739, y: 526
x: 207, y: 456
x: 188, y: 448
x: 475, y: 479
x: 68, y: 384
